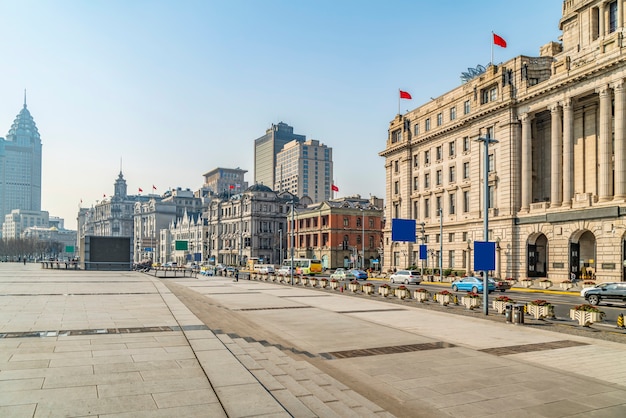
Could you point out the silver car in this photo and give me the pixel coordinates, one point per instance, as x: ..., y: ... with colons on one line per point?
x: 406, y: 277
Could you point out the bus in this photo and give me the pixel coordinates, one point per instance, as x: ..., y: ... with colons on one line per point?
x: 305, y: 266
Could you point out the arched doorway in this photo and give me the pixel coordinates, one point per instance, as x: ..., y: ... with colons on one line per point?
x: 537, y: 255
x: 583, y: 255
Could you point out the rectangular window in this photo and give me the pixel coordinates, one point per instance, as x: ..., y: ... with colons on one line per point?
x: 416, y: 209
x: 493, y: 94
x: 426, y: 157
x: 416, y: 181
x: 426, y: 180
x: 396, y: 166
x: 452, y: 204
x: 439, y: 178
x: 396, y: 210
x: 439, y: 153
x: 396, y: 187
x: 466, y: 107
x: 439, y: 119
x: 491, y: 196
x: 416, y: 129
x: 416, y: 160
x: 491, y: 164
x: 612, y: 17
x: 452, y: 113
x: 466, y: 144
x: 427, y: 208
x: 466, y: 201
x: 450, y: 259
x: 452, y: 149
x: 396, y: 136
x: 451, y: 237
x: 452, y: 174
x: 438, y: 204
x: 427, y: 125
x: 466, y: 170
x: 464, y: 236
x: 490, y: 133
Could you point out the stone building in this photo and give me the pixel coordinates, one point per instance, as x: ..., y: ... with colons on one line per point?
x: 556, y: 183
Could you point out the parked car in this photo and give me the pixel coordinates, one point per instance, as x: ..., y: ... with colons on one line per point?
x: 473, y: 284
x: 584, y: 290
x: 284, y: 271
x: 610, y: 292
x: 502, y: 285
x: 342, y: 274
x: 359, y: 274
x: 266, y: 270
x: 406, y: 277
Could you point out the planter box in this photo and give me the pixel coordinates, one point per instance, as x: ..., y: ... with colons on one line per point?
x: 585, y: 318
x: 334, y: 285
x: 403, y: 293
x: 313, y: 282
x: 545, y: 285
x: 324, y: 283
x: 539, y: 312
x: 383, y: 291
x: 471, y: 303
x: 526, y: 283
x: 500, y: 305
x: 420, y: 296
x: 368, y: 289
x: 566, y: 286
x: 444, y: 299
x: 353, y: 287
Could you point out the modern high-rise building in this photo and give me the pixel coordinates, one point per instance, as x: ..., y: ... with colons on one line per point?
x: 305, y: 169
x: 266, y: 148
x: 536, y: 146
x: 20, y: 166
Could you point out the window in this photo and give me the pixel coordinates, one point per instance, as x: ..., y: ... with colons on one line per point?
x: 426, y: 157
x: 464, y: 236
x: 396, y: 187
x: 490, y: 163
x: 358, y: 222
x: 371, y: 223
x: 490, y: 133
x: 416, y: 129
x: 452, y: 113
x: 451, y: 259
x: 346, y: 221
x: 416, y: 161
x: 439, y: 153
x: 452, y: 177
x: 396, y: 166
x: 427, y: 125
x: 466, y: 170
x: 493, y: 94
x: 437, y: 239
x: 396, y: 210
x: 466, y: 144
x: 612, y: 16
x: 439, y: 119
x: 396, y: 136
x: 416, y: 181
x: 451, y: 237
x: 452, y: 149
x: 466, y: 107
x: 439, y: 178
x: 488, y: 94
x: 452, y: 204
x: 416, y: 209
x: 426, y: 180
x: 426, y: 208
x: 491, y: 196
x: 438, y: 204
x: 466, y: 201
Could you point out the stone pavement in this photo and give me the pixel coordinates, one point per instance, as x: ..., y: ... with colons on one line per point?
x: 121, y: 344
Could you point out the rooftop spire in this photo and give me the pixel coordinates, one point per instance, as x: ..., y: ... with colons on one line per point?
x: 24, y: 98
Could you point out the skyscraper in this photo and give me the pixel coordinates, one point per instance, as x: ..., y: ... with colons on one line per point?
x: 20, y: 166
x: 266, y: 148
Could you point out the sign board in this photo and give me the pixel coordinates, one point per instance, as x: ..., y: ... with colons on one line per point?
x: 423, y: 252
x: 69, y: 248
x: 181, y: 245
x: 484, y: 256
x: 403, y: 230
x: 148, y: 249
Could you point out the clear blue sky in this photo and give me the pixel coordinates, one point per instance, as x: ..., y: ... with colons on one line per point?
x: 177, y: 88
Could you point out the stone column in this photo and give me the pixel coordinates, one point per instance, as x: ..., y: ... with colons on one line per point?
x: 526, y: 172
x: 620, y: 145
x: 568, y: 152
x: 604, y: 146
x: 556, y: 156
x: 601, y: 23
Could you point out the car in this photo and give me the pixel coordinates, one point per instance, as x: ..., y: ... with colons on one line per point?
x: 266, y: 270
x: 342, y: 274
x: 284, y: 271
x: 406, y: 277
x: 610, y: 292
x: 584, y: 290
x: 473, y: 284
x: 359, y: 274
x: 502, y: 285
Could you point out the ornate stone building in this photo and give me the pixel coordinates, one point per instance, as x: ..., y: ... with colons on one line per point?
x: 557, y: 173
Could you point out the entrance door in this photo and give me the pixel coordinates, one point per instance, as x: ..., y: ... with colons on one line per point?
x: 574, y: 258
x: 532, y: 260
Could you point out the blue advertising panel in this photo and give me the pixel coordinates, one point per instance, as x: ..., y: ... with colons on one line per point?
x: 484, y: 256
x: 423, y: 252
x: 403, y: 230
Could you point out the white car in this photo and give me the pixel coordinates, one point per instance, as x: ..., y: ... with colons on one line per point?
x: 267, y: 270
x: 284, y: 271
x: 406, y: 277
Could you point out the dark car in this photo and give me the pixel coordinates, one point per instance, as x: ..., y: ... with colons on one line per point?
x: 610, y: 292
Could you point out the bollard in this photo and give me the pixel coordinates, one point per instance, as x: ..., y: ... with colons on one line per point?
x: 341, y: 289
x: 620, y: 321
x: 456, y: 300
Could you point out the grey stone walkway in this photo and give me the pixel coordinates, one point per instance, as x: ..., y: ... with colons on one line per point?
x: 120, y: 344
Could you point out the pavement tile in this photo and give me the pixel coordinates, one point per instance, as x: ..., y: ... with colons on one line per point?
x: 256, y: 401
x: 185, y: 398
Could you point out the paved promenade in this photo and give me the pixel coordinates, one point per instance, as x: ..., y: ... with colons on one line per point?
x: 127, y: 344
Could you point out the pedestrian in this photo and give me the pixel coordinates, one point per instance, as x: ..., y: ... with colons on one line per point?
x: 573, y: 277
x: 236, y: 275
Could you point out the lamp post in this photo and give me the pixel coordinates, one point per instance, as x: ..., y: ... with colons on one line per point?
x: 486, y: 141
x: 441, y: 244
x: 363, y: 238
x: 423, y: 231
x: 292, y: 239
x: 280, y: 252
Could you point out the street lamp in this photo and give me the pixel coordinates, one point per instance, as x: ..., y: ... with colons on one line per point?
x: 423, y: 231
x: 293, y: 238
x: 486, y: 141
x: 441, y: 244
x: 363, y: 238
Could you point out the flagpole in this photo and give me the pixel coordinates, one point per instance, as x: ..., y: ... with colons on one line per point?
x: 398, y: 101
x: 492, y: 47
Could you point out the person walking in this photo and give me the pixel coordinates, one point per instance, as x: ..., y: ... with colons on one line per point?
x: 236, y: 275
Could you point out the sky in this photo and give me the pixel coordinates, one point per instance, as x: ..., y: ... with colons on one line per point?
x: 169, y: 90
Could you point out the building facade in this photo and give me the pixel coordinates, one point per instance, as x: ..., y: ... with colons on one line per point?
x: 556, y: 177
x: 16, y: 222
x: 344, y: 232
x: 20, y: 166
x: 305, y: 169
x: 267, y: 147
x: 225, y: 180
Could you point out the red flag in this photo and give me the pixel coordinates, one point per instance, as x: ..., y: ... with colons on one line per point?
x: 232, y: 186
x: 497, y: 40
x: 153, y: 187
x: 140, y: 190
x: 405, y: 95
x: 334, y: 188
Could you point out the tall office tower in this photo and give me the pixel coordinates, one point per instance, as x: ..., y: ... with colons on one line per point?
x: 20, y: 166
x: 266, y: 148
x: 305, y: 169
